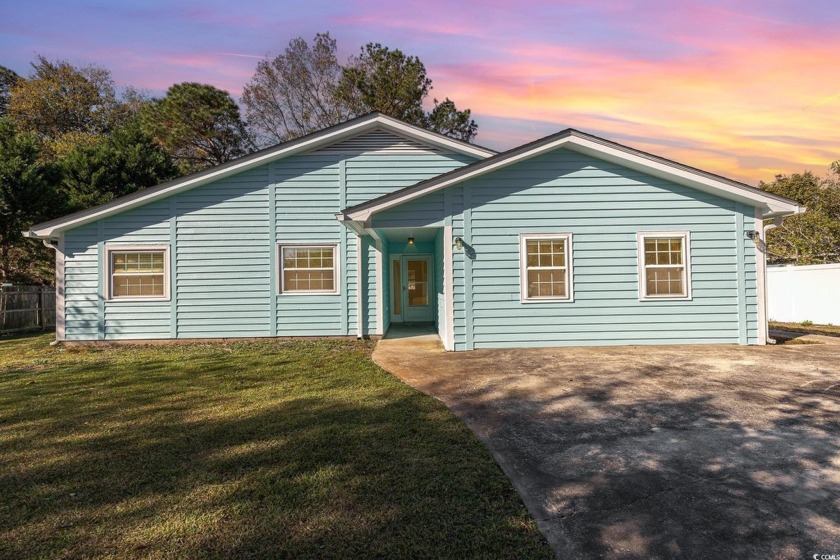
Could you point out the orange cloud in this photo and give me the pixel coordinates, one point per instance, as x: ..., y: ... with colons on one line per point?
x: 747, y: 110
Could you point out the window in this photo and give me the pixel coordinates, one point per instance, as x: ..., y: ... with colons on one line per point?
x: 137, y: 273
x: 308, y: 269
x: 546, y: 267
x: 664, y: 267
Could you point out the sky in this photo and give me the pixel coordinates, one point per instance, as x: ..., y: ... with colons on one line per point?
x: 747, y: 89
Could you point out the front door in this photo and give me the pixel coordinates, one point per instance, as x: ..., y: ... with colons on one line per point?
x: 412, y: 291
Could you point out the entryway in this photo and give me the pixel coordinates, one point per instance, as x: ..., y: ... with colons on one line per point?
x: 412, y: 294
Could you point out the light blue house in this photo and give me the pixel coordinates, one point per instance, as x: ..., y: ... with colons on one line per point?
x: 569, y: 240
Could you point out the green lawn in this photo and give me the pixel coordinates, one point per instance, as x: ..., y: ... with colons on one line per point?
x: 241, y: 450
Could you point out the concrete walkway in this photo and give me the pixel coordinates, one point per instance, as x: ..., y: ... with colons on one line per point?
x: 653, y: 452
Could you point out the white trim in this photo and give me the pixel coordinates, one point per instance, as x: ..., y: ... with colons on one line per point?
x: 448, y: 289
x: 380, y: 285
x: 640, y: 257
x: 307, y: 143
x: 398, y: 258
x: 575, y: 141
x: 430, y: 283
x: 761, y: 279
x: 108, y: 277
x: 360, y: 294
x: 280, y: 288
x: 523, y: 268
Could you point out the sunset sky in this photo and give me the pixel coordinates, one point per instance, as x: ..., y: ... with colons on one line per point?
x: 745, y: 88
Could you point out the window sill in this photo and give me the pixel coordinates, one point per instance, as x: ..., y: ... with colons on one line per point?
x: 546, y: 300
x: 293, y: 294
x: 665, y: 298
x: 139, y: 300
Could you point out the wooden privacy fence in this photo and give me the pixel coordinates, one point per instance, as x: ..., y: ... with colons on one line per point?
x: 26, y: 308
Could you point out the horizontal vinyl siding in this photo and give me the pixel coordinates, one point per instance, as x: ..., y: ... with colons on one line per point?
x: 750, y: 270
x: 370, y: 176
x: 222, y: 247
x: 456, y: 200
x: 306, y: 200
x: 81, y: 281
x: 148, y: 319
x: 222, y: 258
x: 603, y: 205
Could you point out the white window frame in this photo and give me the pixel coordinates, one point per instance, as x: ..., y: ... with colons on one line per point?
x: 108, y: 275
x: 640, y: 250
x: 281, y: 287
x: 523, y: 267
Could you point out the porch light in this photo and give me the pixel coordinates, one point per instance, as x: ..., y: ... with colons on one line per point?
x: 411, y: 242
x: 459, y: 243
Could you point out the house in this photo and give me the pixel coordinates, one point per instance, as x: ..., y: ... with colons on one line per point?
x: 568, y: 240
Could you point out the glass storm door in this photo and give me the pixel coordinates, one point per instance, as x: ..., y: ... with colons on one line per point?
x: 412, y: 292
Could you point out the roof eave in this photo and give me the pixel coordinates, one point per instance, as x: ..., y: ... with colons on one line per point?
x: 774, y: 211
x: 50, y: 229
x: 595, y: 147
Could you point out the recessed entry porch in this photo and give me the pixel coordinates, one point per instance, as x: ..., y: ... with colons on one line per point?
x: 413, y: 271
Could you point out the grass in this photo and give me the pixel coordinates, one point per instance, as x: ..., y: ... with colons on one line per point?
x: 806, y: 327
x: 241, y: 450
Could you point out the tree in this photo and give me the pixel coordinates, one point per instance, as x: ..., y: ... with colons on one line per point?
x: 305, y: 89
x: 198, y: 125
x: 446, y: 119
x: 294, y: 93
x: 126, y: 161
x: 8, y: 79
x: 388, y: 81
x: 814, y: 236
x: 26, y: 197
x: 395, y: 84
x: 63, y: 105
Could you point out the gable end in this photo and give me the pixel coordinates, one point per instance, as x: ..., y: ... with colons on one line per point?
x: 378, y: 142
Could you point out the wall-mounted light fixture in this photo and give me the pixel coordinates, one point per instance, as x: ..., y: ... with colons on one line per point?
x: 411, y: 242
x: 754, y: 236
x: 459, y: 243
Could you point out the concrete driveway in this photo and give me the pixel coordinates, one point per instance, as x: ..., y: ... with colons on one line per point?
x: 654, y: 452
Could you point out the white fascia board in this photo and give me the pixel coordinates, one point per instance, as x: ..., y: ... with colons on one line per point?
x: 51, y: 229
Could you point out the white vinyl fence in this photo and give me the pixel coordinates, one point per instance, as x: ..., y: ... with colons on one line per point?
x: 804, y: 293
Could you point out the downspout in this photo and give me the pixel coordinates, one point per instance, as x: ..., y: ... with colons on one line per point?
x: 763, y: 248
x: 776, y: 223
x: 59, y: 287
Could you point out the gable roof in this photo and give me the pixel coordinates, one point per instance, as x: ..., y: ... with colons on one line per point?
x: 338, y: 133
x: 771, y: 205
